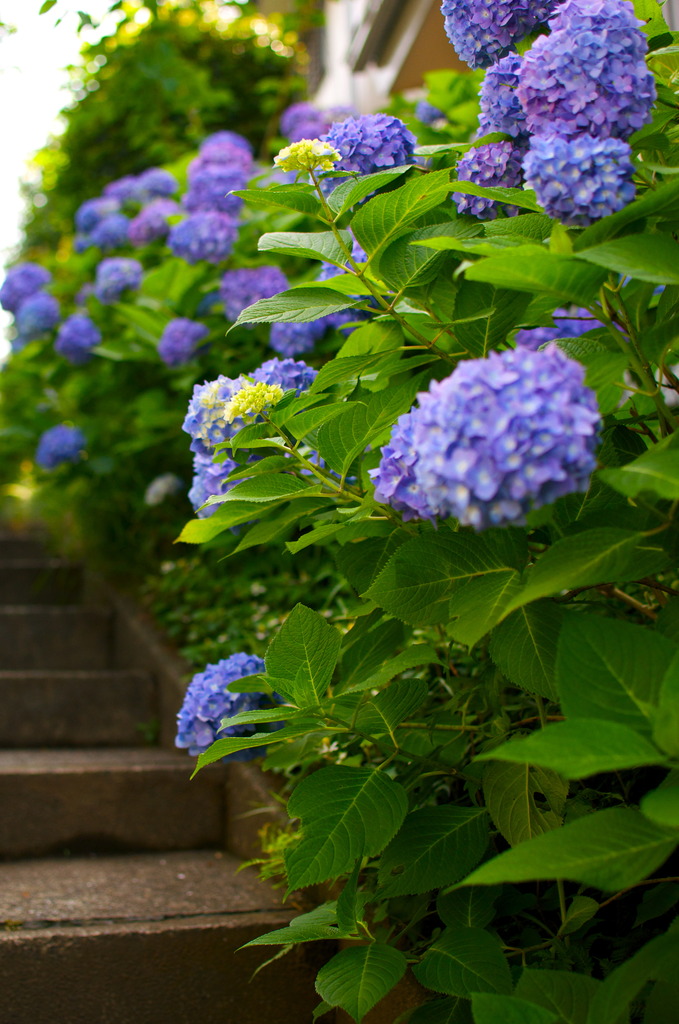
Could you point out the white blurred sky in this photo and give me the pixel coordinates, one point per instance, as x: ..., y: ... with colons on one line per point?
x: 32, y: 92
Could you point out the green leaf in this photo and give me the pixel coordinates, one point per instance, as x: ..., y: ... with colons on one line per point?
x: 413, y: 657
x: 666, y: 718
x: 199, y: 531
x: 348, y: 902
x: 463, y: 961
x: 363, y: 657
x: 340, y: 439
x: 523, y: 198
x: 47, y: 6
x: 234, y: 744
x: 454, y: 1010
x: 480, y: 603
x: 435, y: 846
x: 272, y: 487
x: 656, y: 961
x: 358, y: 977
x: 468, y: 908
x: 611, y: 670
x: 581, y: 909
x: 661, y: 806
x: 314, y: 245
x: 385, y: 711
x: 349, y: 193
x: 652, y: 203
x: 649, y: 257
x: 656, y: 901
x: 297, y: 305
x: 530, y: 268
x: 524, y: 647
x: 346, y: 813
x: 405, y: 265
x: 304, y: 423
x: 490, y: 1008
x: 319, y: 923
x: 565, y: 993
x: 656, y: 471
x: 277, y: 713
x: 301, y: 658
x: 288, y: 197
x: 484, y: 315
x: 649, y: 11
x: 511, y: 792
x: 610, y: 849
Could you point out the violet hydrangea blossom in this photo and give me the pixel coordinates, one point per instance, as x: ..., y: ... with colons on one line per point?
x: 36, y: 315
x: 181, y: 340
x: 290, y: 374
x: 208, y: 701
x: 497, y: 163
x: 210, y: 187
x: 114, y: 276
x: 241, y: 288
x: 92, y: 211
x: 22, y: 281
x: 294, y: 339
x: 482, y: 31
x: 370, y: 143
x: 209, y: 478
x: 76, y: 338
x: 394, y: 478
x: 427, y: 113
x: 207, y: 235
x: 59, y: 444
x: 151, y: 223
x: 111, y: 232
x: 501, y: 110
x: 155, y: 183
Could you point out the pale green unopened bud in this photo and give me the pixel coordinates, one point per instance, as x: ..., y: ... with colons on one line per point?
x: 251, y: 400
x: 307, y: 155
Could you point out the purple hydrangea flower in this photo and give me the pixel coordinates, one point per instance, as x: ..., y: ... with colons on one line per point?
x: 240, y: 288
x: 427, y: 113
x: 151, y: 224
x: 122, y: 189
x: 214, y: 144
x: 209, y: 478
x: 497, y: 163
x: 205, y: 420
x: 92, y: 211
x: 207, y: 702
x: 76, y: 338
x: 155, y: 183
x: 568, y: 325
x: 226, y: 157
x: 180, y: 341
x: 482, y: 31
x: 209, y: 189
x: 111, y: 232
x: 588, y: 76
x: 114, y: 276
x: 36, y: 315
x: 371, y: 142
x: 22, y: 281
x: 501, y: 110
x: 288, y: 373
x: 505, y: 434
x: 293, y: 339
x: 207, y: 236
x: 579, y: 180
x: 304, y: 121
x: 394, y: 478
x: 59, y: 444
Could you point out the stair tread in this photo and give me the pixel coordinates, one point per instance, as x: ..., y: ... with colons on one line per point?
x: 129, y: 887
x: 100, y: 759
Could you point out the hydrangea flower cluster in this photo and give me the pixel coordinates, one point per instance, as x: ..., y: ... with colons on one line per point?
x: 36, y: 315
x: 110, y: 233
x: 501, y: 110
x: 122, y: 189
x: 427, y: 113
x: 305, y: 121
x: 207, y: 235
x: 22, y: 281
x: 394, y: 478
x: 210, y: 185
x: 151, y: 223
x: 59, y: 444
x: 220, y: 146
x: 181, y: 340
x: 155, y: 183
x: 482, y: 31
x: 114, y: 276
x: 241, y: 288
x: 209, y: 478
x: 307, y: 155
x: 289, y: 374
x: 498, y: 437
x: 294, y: 339
x: 92, y: 212
x: 497, y: 163
x: 571, y: 324
x: 162, y: 487
x: 76, y: 338
x: 371, y: 142
x: 207, y: 702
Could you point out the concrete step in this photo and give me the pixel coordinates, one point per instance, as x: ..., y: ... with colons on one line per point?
x: 83, y: 801
x: 21, y: 545
x: 39, y: 581
x: 149, y: 939
x: 54, y: 709
x: 46, y: 637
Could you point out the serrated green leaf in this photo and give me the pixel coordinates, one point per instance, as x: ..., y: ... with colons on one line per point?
x: 485, y: 314
x: 467, y: 908
x: 581, y: 909
x: 291, y: 197
x: 565, y: 993
x: 480, y: 603
x: 315, y: 245
x: 305, y: 423
x: 435, y: 846
x: 346, y: 813
x: 413, y: 657
x: 579, y: 747
x: 358, y: 977
x: 348, y: 903
x: 363, y: 657
x: 523, y: 198
x: 511, y: 790
x: 651, y: 203
x: 656, y: 471
x: 274, y: 714
x: 610, y: 849
x: 529, y: 268
x: 264, y: 489
x: 339, y: 438
x: 385, y: 711
x: 463, y: 961
x: 234, y: 744
x: 199, y: 531
x: 611, y: 670
x: 315, y: 536
x: 524, y: 647
x: 320, y: 923
x: 657, y: 960
x: 346, y: 195
x: 301, y: 658
x: 297, y: 305
x: 662, y: 806
x: 454, y: 1010
x: 491, y: 1008
x: 666, y: 718
x: 648, y: 257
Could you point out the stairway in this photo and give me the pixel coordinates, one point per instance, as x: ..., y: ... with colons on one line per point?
x: 120, y: 896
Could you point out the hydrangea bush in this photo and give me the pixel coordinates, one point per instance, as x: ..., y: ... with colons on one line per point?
x: 479, y: 749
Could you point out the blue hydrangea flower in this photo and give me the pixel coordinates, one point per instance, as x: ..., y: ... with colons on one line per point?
x: 111, y: 232
x: 497, y: 163
x: 217, y: 143
x: 579, y: 180
x: 162, y: 487
x: 155, y: 183
x: 36, y: 315
x: 293, y: 339
x: 122, y: 189
x: 505, y: 434
x: 76, y: 338
x: 482, y: 31
x: 22, y: 281
x: 151, y: 224
x: 59, y: 444
x: 571, y: 324
x: 92, y: 211
x: 427, y: 113
x: 394, y: 478
x: 210, y: 186
x: 304, y: 121
x: 205, y: 419
x: 241, y: 288
x: 208, y: 235
x: 589, y: 74
x: 370, y: 143
x: 208, y: 702
x: 114, y: 276
x: 289, y: 373
x: 209, y: 478
x: 180, y: 341
x: 501, y: 110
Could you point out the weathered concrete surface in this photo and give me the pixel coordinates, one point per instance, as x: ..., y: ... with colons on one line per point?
x: 105, y: 800
x: 54, y: 709
x: 21, y: 545
x: 39, y: 581
x: 184, y: 971
x: 54, y: 637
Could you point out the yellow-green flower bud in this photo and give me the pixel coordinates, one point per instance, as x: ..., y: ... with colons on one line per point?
x: 307, y: 155
x: 251, y: 400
